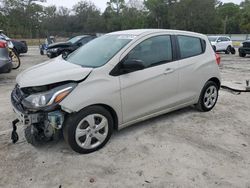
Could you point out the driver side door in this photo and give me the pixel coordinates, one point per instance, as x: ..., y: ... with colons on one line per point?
x: 154, y: 88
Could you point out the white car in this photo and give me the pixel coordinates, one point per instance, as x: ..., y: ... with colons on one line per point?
x: 115, y: 81
x: 222, y: 44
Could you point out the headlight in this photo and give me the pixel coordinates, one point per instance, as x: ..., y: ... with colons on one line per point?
x: 51, y: 97
x: 54, y: 49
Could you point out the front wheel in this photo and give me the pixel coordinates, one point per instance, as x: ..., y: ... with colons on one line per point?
x: 41, y: 52
x: 88, y: 130
x: 208, y: 97
x: 228, y: 50
x: 14, y: 59
x: 242, y: 54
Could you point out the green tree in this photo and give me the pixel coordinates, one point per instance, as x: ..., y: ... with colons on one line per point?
x: 88, y: 17
x: 195, y: 15
x: 245, y: 16
x: 230, y: 16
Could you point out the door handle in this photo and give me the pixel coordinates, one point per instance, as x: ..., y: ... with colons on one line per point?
x: 168, y: 71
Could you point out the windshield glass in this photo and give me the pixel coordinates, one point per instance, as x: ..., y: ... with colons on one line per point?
x: 212, y: 39
x: 75, y: 39
x: 99, y: 51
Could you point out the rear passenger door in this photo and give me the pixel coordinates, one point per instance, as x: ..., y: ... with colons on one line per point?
x: 191, y: 67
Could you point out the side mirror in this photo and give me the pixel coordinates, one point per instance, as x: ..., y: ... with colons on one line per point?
x: 132, y: 66
x: 218, y: 40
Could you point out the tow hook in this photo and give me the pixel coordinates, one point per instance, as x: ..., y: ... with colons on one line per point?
x: 14, y: 135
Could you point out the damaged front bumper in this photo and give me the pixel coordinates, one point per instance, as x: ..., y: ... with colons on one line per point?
x: 49, y: 120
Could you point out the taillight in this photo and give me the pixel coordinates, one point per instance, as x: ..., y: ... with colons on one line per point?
x: 3, y: 44
x: 217, y: 59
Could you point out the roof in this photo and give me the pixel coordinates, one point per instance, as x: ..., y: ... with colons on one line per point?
x: 137, y: 32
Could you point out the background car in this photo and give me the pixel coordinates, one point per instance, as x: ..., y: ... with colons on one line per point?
x: 244, y: 49
x: 222, y: 44
x: 48, y: 41
x: 19, y: 46
x: 5, y: 62
x: 68, y: 47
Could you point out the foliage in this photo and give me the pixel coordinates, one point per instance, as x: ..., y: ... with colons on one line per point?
x: 29, y: 18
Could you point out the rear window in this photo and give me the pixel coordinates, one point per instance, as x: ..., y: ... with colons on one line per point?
x: 190, y: 46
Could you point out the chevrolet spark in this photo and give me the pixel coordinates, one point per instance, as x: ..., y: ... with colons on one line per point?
x: 115, y: 81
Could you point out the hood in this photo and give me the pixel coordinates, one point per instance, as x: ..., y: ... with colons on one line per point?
x: 53, y: 71
x: 246, y: 42
x: 59, y: 44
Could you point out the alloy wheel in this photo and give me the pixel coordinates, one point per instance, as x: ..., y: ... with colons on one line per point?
x: 92, y: 131
x: 210, y: 97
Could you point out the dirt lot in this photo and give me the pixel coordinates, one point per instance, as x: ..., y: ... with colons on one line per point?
x: 182, y: 149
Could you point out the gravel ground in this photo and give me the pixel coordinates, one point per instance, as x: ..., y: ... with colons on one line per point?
x: 185, y: 148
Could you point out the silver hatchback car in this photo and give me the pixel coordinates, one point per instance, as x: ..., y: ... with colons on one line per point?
x: 115, y: 81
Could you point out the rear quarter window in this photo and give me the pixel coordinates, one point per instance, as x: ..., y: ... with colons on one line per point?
x: 190, y: 46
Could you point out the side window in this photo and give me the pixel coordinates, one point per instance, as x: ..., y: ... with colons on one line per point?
x: 152, y: 52
x: 220, y: 39
x: 189, y: 46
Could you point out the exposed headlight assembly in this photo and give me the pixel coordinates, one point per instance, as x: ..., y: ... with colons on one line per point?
x: 48, y: 98
x: 54, y: 49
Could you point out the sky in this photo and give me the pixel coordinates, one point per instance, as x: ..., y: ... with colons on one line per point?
x: 101, y: 4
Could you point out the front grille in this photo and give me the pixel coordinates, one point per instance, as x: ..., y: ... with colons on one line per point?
x: 16, y: 98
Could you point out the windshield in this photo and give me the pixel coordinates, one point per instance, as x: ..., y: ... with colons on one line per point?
x: 212, y: 39
x: 99, y: 51
x: 75, y: 39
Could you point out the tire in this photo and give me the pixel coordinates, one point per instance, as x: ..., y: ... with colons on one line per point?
x: 242, y: 54
x: 15, y: 59
x: 82, y: 128
x: 214, y: 48
x: 233, y: 51
x: 41, y: 52
x: 203, y: 104
x: 228, y: 50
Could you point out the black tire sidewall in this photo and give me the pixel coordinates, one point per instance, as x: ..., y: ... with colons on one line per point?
x: 233, y: 51
x: 228, y: 50
x: 242, y: 54
x: 201, y: 104
x: 73, y: 120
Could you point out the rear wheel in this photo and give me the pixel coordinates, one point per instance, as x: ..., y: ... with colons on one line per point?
x: 15, y: 59
x: 208, y: 97
x: 233, y: 50
x: 88, y: 130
